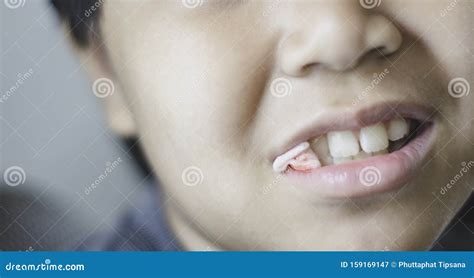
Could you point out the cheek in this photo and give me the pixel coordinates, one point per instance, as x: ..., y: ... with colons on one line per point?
x: 194, y: 95
x: 444, y: 34
x: 193, y: 77
x: 204, y: 84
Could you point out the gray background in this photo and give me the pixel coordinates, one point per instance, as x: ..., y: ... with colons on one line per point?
x: 52, y: 127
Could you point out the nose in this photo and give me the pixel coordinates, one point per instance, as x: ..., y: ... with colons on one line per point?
x: 337, y: 39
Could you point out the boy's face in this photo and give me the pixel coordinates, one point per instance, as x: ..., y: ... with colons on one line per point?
x: 220, y: 89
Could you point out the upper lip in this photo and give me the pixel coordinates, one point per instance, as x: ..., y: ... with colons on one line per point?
x: 348, y: 118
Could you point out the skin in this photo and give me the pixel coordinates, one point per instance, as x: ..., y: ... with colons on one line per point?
x: 194, y: 85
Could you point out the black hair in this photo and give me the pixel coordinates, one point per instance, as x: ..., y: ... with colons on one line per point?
x: 82, y: 17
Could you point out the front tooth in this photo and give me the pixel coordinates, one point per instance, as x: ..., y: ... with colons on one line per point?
x: 373, y: 138
x: 320, y: 146
x: 397, y: 129
x: 342, y: 144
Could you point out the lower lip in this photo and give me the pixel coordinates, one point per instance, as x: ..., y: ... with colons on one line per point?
x: 366, y: 177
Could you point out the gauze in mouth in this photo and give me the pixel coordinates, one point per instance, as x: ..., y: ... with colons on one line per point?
x: 301, y: 158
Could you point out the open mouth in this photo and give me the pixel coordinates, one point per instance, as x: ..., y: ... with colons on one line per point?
x: 341, y: 157
x: 339, y: 147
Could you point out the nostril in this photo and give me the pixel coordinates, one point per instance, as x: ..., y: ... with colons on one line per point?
x: 309, y: 67
x: 382, y: 50
x: 378, y: 53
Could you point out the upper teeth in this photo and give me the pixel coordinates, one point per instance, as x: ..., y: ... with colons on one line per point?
x: 320, y: 146
x: 343, y: 143
x: 373, y: 138
x: 343, y: 146
x: 397, y: 129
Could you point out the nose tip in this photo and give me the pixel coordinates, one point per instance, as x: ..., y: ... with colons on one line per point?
x: 338, y: 44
